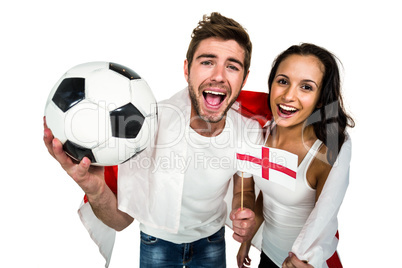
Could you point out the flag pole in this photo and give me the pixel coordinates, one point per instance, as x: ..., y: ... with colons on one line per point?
x: 241, y: 198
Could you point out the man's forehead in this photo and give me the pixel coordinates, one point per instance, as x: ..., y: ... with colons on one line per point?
x: 218, y: 48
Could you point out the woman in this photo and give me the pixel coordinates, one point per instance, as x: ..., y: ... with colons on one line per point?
x: 308, y: 120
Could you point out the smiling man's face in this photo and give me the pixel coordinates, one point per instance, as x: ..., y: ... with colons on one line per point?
x: 215, y: 78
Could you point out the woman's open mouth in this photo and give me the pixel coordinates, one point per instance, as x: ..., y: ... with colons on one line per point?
x: 286, y: 111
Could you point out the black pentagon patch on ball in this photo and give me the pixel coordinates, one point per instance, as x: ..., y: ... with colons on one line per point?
x: 78, y: 152
x: 70, y: 92
x: 127, y: 72
x: 126, y: 121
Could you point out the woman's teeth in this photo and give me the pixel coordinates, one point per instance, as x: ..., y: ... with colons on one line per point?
x: 287, y: 110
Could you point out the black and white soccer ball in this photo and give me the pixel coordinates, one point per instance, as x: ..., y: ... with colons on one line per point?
x: 103, y: 111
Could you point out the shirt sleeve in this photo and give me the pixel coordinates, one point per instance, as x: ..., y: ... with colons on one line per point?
x: 317, y: 240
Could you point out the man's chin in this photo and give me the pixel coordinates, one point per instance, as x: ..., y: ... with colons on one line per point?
x: 212, y: 118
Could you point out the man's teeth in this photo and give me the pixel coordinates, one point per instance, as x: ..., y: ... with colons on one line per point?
x: 287, y: 108
x: 214, y: 93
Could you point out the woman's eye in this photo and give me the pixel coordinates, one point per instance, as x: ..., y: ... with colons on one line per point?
x: 307, y: 87
x: 282, y: 81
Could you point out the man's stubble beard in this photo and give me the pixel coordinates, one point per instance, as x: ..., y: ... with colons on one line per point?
x: 196, y: 104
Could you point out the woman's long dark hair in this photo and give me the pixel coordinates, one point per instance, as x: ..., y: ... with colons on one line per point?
x: 330, y: 119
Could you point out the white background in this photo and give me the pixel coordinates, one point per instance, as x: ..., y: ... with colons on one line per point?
x: 40, y: 40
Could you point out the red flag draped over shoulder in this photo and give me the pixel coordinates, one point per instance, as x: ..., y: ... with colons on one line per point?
x: 254, y: 105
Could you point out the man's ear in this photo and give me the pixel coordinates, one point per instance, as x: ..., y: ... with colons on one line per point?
x: 186, y: 69
x: 245, y: 79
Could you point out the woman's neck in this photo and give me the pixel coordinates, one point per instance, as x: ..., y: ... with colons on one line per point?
x: 287, y: 137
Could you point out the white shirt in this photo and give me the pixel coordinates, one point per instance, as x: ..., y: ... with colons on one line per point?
x: 179, y: 196
x: 286, y: 211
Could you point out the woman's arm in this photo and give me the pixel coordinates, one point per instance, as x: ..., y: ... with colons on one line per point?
x: 317, y: 240
x: 243, y: 260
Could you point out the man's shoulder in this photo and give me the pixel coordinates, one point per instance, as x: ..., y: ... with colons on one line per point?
x: 181, y: 97
x: 178, y: 104
x: 237, y: 117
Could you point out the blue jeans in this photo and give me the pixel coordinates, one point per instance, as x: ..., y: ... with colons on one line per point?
x: 207, y: 252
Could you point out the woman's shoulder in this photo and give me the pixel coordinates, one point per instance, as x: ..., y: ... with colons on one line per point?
x: 319, y: 168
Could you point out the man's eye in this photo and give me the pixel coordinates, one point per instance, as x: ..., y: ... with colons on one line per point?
x: 232, y: 67
x: 206, y: 62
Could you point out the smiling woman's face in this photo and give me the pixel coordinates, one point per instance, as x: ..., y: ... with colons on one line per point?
x: 295, y: 90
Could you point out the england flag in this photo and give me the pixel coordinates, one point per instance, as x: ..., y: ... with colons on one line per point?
x: 276, y: 165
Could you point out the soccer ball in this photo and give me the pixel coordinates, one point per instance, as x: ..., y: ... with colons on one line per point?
x: 103, y: 111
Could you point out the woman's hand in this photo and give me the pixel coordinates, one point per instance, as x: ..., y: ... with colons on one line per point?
x: 243, y: 260
x: 293, y: 262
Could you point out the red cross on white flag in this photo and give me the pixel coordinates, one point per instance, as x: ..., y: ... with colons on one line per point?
x: 276, y: 165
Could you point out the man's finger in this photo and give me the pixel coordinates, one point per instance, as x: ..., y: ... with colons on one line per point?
x: 64, y: 160
x: 243, y: 214
x: 83, y: 167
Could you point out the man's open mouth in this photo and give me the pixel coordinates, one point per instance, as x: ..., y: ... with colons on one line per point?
x: 213, y: 98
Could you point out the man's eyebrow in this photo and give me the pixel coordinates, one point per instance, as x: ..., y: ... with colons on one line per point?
x: 214, y: 56
x: 236, y: 61
x: 206, y: 56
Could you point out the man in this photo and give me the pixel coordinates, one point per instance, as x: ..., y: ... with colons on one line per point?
x: 178, y: 199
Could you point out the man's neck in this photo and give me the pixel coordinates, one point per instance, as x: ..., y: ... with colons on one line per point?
x: 207, y: 129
